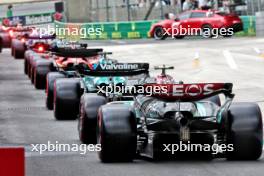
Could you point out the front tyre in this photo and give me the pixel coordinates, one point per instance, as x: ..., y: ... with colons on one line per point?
x: 159, y: 33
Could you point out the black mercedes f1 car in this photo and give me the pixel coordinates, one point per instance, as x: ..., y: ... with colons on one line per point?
x: 182, y: 116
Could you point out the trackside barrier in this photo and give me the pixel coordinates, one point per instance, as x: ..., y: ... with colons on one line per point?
x: 12, y: 161
x: 132, y: 30
x: 109, y: 30
x: 249, y: 26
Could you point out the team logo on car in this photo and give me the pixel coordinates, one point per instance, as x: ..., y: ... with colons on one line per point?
x: 119, y: 66
x: 93, y: 63
x: 93, y: 66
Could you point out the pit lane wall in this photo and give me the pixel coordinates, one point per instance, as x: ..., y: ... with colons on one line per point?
x: 132, y: 29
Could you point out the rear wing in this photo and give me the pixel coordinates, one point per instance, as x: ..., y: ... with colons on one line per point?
x: 38, y: 37
x: 114, y: 69
x: 77, y: 53
x: 190, y: 92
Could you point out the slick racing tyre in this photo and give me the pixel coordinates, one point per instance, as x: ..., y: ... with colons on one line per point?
x: 18, y: 49
x: 5, y: 40
x: 67, y: 93
x: 244, y: 131
x: 31, y: 60
x: 25, y: 66
x: 87, y: 122
x: 117, y: 133
x: 50, y: 79
x: 40, y: 72
x: 1, y: 45
x: 32, y: 67
x: 12, y: 51
x: 26, y: 60
x: 159, y: 33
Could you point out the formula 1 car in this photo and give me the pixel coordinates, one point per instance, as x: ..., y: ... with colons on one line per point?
x: 91, y: 100
x: 63, y: 65
x: 18, y: 43
x: 163, y: 78
x: 39, y: 60
x: 197, y: 22
x: 95, y: 84
x: 155, y: 126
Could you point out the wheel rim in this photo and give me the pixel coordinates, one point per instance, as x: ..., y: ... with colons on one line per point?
x: 158, y: 34
x: 208, y: 30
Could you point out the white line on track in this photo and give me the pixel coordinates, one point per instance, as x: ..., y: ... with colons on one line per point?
x: 229, y: 59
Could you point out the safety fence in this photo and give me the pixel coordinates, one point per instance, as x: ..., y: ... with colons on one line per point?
x: 131, y: 30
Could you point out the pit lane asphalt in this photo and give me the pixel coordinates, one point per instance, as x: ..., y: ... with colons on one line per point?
x: 24, y: 119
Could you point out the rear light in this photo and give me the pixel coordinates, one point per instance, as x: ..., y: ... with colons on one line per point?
x: 11, y: 33
x: 40, y: 49
x: 23, y: 40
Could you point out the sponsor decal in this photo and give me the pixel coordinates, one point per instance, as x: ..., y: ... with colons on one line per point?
x: 118, y: 66
x: 93, y: 66
x: 40, y: 19
x: 192, y: 89
x: 107, y: 66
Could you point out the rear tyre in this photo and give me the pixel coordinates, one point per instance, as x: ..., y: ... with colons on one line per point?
x: 244, y: 131
x: 18, y: 49
x: 50, y: 79
x: 41, y: 71
x: 117, y: 133
x: 12, y: 50
x: 87, y: 122
x: 207, y: 31
x: 33, y: 66
x: 1, y: 45
x: 26, y: 66
x: 66, y: 98
x: 19, y: 54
